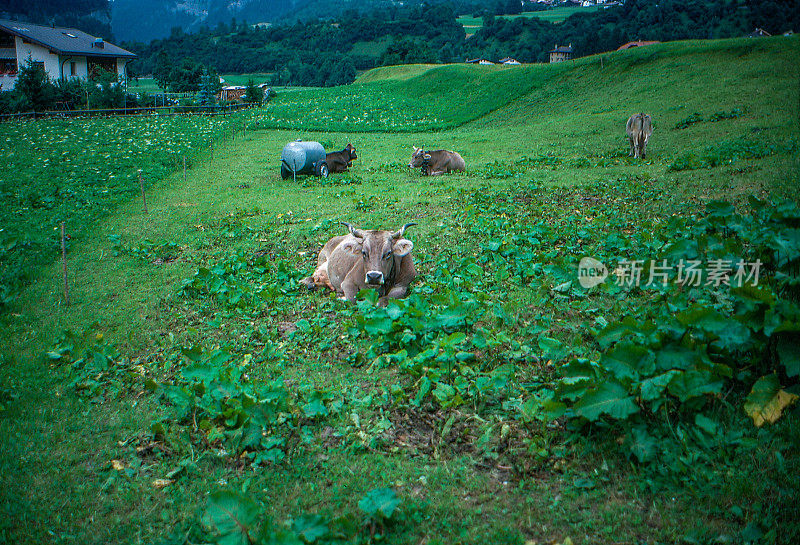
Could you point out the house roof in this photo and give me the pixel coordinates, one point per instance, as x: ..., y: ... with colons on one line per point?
x: 562, y: 49
x: 638, y: 43
x: 478, y: 60
x: 759, y: 32
x: 507, y: 59
x: 64, y: 41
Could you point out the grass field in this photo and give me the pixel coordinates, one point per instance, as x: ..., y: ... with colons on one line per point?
x: 148, y: 85
x: 556, y: 15
x: 192, y: 392
x: 77, y: 172
x: 143, y: 85
x: 242, y: 79
x: 371, y: 48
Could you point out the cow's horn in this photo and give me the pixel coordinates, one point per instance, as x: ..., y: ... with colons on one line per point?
x: 358, y: 233
x: 402, y: 230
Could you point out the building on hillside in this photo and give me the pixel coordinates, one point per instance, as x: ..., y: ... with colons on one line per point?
x: 561, y: 53
x: 232, y: 92
x: 63, y: 53
x: 637, y: 43
x: 479, y: 61
x: 759, y: 33
x: 509, y: 60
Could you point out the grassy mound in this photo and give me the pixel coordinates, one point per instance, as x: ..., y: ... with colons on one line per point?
x: 673, y: 80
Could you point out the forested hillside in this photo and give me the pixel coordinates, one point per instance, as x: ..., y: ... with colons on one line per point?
x: 145, y: 20
x: 92, y: 16
x: 330, y: 52
x: 313, y: 53
x: 530, y: 39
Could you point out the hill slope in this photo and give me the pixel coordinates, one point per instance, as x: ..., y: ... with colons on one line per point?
x: 671, y: 80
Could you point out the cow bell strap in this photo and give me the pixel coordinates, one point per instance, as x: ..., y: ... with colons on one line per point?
x: 424, y: 165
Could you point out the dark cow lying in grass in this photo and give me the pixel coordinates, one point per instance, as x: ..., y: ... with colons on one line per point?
x: 639, y: 128
x: 340, y: 161
x: 436, y: 162
x: 366, y: 259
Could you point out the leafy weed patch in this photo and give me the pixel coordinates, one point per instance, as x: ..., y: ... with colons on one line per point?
x: 729, y: 152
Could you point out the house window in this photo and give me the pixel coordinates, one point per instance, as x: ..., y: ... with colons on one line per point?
x: 8, y: 67
x: 7, y: 41
x: 99, y: 64
x: 73, y: 69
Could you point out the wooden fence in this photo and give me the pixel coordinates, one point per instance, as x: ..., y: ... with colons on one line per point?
x: 147, y: 110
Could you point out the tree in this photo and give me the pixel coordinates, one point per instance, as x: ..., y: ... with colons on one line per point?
x: 407, y: 51
x: 281, y: 77
x: 105, y: 90
x: 71, y: 92
x: 34, y: 86
x: 185, y: 78
x: 344, y: 72
x: 513, y: 7
x: 448, y: 54
x: 206, y: 97
x: 162, y: 70
x: 253, y: 93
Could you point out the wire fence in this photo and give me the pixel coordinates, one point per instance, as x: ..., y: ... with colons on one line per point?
x: 138, y: 111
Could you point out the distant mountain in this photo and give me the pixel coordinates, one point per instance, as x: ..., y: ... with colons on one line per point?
x: 91, y: 16
x: 145, y: 20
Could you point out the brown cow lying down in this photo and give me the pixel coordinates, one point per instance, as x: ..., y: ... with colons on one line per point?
x: 436, y: 162
x: 339, y: 161
x: 366, y: 259
x: 639, y: 128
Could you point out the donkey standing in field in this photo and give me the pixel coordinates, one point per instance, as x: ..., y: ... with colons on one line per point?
x: 639, y: 128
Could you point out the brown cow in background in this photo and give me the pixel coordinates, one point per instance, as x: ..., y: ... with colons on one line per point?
x: 340, y: 161
x: 436, y: 162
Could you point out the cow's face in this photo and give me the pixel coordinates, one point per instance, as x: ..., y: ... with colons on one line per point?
x: 352, y: 150
x: 378, y: 250
x: 418, y: 157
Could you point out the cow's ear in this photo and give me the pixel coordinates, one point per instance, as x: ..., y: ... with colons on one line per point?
x: 427, y: 156
x: 351, y: 247
x: 402, y: 247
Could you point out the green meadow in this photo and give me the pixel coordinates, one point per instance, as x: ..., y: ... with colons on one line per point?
x: 193, y: 391
x: 143, y: 85
x: 242, y: 79
x: 556, y: 15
